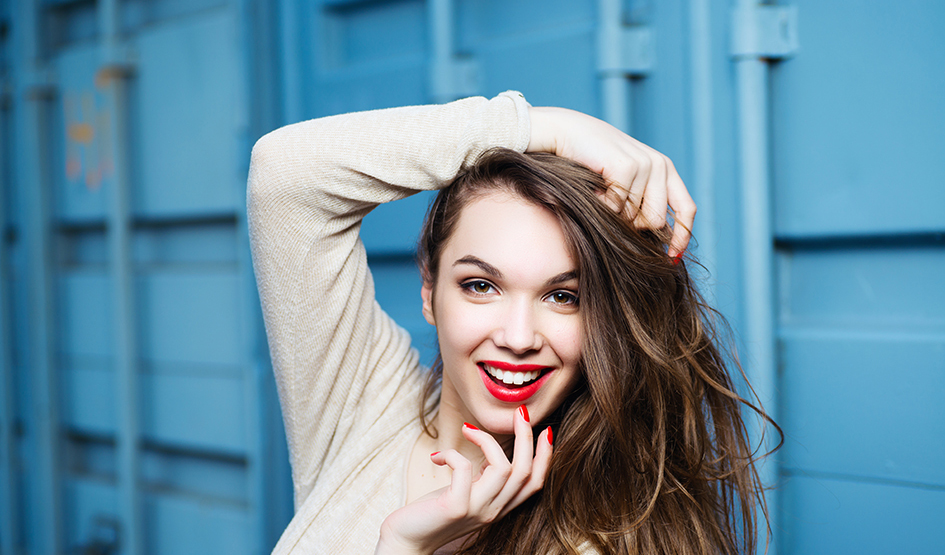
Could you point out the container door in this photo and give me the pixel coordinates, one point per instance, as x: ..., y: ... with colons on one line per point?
x: 180, y: 461
x: 860, y: 215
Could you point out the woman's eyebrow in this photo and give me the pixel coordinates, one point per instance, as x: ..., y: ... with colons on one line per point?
x: 562, y: 277
x: 481, y: 264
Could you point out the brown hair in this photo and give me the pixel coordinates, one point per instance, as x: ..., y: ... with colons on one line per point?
x: 651, y: 450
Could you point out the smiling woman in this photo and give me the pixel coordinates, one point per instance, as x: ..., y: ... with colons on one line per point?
x: 561, y: 306
x: 494, y: 300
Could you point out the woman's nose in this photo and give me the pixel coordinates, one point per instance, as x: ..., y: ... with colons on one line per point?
x: 517, y: 331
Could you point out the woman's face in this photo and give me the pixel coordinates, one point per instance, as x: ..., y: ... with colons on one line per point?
x: 506, y: 312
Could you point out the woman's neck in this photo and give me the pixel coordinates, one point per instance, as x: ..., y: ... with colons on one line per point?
x: 450, y: 418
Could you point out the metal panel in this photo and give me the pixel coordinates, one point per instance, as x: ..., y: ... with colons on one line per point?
x: 858, y: 120
x: 825, y: 516
x: 191, y: 316
x: 859, y: 220
x: 865, y: 362
x: 546, y: 50
x: 187, y: 105
x: 855, y: 401
x: 88, y: 159
x: 147, y: 307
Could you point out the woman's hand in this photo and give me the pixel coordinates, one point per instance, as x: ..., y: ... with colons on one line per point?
x: 470, y: 501
x: 641, y: 180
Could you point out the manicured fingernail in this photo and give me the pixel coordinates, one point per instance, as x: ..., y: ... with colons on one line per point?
x: 677, y: 259
x: 470, y: 426
x: 549, y: 436
x: 523, y: 410
x: 435, y: 453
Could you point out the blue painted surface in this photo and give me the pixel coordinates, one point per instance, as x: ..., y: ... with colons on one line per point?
x: 858, y: 121
x: 859, y: 218
x: 200, y: 462
x: 825, y: 515
x: 858, y: 211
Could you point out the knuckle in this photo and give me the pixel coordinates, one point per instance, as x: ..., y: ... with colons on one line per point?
x: 644, y: 165
x: 464, y: 465
x: 490, y: 513
x: 688, y: 209
x: 522, y: 478
x: 668, y: 162
x: 658, y: 161
x: 505, y: 472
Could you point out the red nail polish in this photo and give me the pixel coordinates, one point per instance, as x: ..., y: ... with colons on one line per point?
x: 524, y: 412
x: 470, y: 426
x: 549, y: 436
x: 435, y: 453
x: 677, y: 259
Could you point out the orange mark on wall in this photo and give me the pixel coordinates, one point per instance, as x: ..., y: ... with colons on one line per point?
x: 81, y: 133
x: 88, y: 144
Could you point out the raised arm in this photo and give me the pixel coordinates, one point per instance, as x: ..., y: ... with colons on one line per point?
x: 310, y: 184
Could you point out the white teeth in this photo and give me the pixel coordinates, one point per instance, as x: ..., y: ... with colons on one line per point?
x: 512, y: 378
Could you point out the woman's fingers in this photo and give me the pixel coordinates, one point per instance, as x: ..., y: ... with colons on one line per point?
x: 522, y: 461
x: 502, y: 485
x: 455, y: 499
x: 684, y: 211
x: 540, y: 465
x: 497, y: 465
x: 641, y: 181
x: 652, y: 214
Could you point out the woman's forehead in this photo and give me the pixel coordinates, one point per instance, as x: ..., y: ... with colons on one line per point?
x: 511, y: 234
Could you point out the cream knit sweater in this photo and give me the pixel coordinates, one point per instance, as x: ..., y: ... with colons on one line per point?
x: 348, y: 380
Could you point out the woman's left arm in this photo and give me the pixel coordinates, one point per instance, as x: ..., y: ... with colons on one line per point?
x: 642, y: 181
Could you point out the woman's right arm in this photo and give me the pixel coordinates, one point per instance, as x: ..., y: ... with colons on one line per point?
x: 310, y: 184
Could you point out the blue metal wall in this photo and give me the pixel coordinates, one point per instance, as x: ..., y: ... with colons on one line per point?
x: 135, y: 388
x: 139, y: 413
x: 859, y: 219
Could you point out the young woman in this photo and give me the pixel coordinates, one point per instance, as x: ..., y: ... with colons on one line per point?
x: 556, y: 311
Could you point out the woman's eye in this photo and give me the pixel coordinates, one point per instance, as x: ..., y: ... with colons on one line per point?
x: 563, y: 298
x: 478, y: 287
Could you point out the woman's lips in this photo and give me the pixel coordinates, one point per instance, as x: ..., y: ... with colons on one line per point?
x: 512, y: 393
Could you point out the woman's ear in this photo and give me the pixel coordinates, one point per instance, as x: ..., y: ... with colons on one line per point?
x: 426, y: 293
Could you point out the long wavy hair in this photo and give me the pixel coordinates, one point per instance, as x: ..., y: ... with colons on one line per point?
x: 651, y: 450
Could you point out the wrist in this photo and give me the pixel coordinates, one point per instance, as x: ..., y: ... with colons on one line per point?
x: 542, y: 137
x: 389, y: 543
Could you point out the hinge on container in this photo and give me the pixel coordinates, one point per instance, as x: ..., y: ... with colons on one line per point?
x: 630, y: 52
x: 39, y: 84
x: 455, y: 78
x: 763, y: 31
x: 6, y: 100
x: 112, y: 72
x: 118, y: 62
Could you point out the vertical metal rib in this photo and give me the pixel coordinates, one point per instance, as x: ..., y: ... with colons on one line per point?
x: 113, y: 77
x: 9, y: 493
x: 615, y: 86
x: 45, y: 527
x: 702, y: 183
x: 751, y: 74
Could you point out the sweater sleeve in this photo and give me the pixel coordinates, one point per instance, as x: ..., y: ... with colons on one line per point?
x: 310, y: 184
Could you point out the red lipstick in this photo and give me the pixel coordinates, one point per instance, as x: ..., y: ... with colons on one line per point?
x: 508, y: 394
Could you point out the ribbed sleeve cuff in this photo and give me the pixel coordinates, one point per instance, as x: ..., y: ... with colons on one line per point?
x: 524, y: 133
